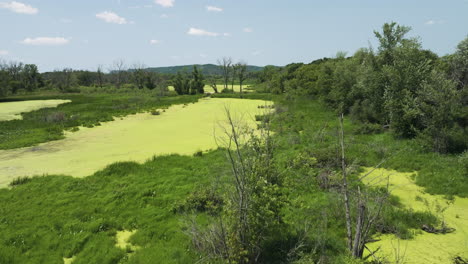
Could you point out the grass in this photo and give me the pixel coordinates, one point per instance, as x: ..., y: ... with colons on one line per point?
x: 57, y: 216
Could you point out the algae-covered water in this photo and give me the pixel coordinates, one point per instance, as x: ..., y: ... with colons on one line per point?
x: 424, y: 248
x: 181, y: 129
x: 13, y: 110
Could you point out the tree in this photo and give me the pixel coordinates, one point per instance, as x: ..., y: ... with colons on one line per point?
x: 197, y: 83
x: 30, y: 77
x: 118, y: 69
x: 241, y: 74
x: 253, y: 211
x: 100, y: 76
x: 181, y: 84
x: 150, y: 81
x: 139, y: 75
x: 64, y: 79
x: 368, y: 208
x: 459, y: 64
x: 234, y: 72
x: 212, y: 83
x: 440, y: 104
x: 85, y: 78
x: 391, y: 37
x: 225, y: 65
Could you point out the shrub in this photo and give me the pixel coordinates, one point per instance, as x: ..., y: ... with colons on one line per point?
x: 55, y: 117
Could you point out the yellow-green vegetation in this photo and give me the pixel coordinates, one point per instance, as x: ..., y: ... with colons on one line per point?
x: 68, y: 260
x: 123, y: 241
x: 220, y: 87
x: 181, y: 129
x: 13, y: 110
x: 424, y: 247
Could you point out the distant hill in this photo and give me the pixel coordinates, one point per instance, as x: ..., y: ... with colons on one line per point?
x: 208, y: 69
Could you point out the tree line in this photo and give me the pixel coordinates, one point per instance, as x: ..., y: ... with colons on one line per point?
x: 16, y: 77
x: 400, y: 86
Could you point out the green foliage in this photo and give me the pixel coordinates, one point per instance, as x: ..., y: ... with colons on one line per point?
x: 197, y: 82
x: 401, y: 86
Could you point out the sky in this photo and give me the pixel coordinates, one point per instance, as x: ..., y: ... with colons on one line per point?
x: 83, y: 34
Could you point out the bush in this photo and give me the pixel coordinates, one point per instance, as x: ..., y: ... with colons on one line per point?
x: 369, y: 128
x: 55, y: 117
x: 201, y: 200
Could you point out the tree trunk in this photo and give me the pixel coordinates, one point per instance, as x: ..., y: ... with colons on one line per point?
x: 345, y: 188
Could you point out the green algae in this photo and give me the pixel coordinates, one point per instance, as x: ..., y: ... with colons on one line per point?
x: 123, y: 240
x: 424, y: 247
x: 180, y: 129
x: 13, y: 110
x: 68, y: 260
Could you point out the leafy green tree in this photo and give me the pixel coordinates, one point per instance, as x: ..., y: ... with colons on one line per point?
x: 440, y: 104
x: 459, y: 64
x: 85, y: 78
x: 392, y: 36
x: 197, y: 82
x: 181, y: 84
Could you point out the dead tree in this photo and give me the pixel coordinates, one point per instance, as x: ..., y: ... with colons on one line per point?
x: 365, y: 215
x: 225, y: 65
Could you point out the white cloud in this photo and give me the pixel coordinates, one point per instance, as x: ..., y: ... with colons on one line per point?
x: 165, y: 3
x: 214, y: 9
x: 18, y: 7
x: 66, y: 20
x: 433, y: 22
x: 257, y: 52
x: 154, y: 41
x: 248, y: 30
x: 46, y: 41
x: 4, y: 52
x: 111, y: 17
x: 202, y: 55
x: 201, y: 32
x: 227, y: 34
x: 164, y: 16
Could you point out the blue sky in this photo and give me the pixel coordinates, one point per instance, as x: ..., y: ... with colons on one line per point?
x: 84, y: 34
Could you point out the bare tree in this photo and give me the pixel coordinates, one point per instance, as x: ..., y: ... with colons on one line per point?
x: 368, y: 207
x: 225, y: 64
x: 119, y: 68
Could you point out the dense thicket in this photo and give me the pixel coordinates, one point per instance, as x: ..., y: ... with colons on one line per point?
x: 400, y: 86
